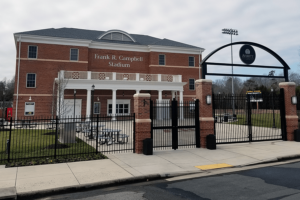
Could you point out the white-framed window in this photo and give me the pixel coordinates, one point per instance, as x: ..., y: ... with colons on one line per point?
x: 30, y: 80
x: 191, y: 61
x: 29, y: 108
x: 97, y: 107
x: 192, y: 106
x: 74, y: 54
x: 161, y: 59
x: 32, y: 51
x: 122, y: 107
x: 192, y: 84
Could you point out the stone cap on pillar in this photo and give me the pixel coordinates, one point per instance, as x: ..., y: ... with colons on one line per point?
x: 287, y: 84
x: 144, y: 95
x: 203, y: 81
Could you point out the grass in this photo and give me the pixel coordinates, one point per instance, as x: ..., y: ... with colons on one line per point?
x: 31, y: 144
x: 261, y: 120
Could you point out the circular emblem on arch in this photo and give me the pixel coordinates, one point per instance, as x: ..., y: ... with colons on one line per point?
x: 247, y: 54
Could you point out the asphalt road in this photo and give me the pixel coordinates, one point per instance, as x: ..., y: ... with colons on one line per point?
x: 275, y: 182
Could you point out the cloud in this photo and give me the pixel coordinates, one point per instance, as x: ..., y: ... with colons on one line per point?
x: 273, y: 23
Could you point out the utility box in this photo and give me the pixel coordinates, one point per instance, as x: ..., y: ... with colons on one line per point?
x: 148, y: 146
x: 211, y: 142
x: 67, y: 132
x: 297, y: 135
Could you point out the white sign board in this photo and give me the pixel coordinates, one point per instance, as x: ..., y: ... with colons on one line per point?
x: 29, y: 108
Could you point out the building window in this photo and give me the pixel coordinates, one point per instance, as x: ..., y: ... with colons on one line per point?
x: 32, y: 51
x: 191, y: 61
x: 74, y: 54
x: 29, y: 108
x: 161, y: 60
x: 192, y: 84
x: 31, y: 79
x: 192, y: 106
x: 122, y: 107
x: 97, y: 107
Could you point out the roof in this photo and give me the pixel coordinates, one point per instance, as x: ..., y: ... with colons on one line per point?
x: 93, y: 35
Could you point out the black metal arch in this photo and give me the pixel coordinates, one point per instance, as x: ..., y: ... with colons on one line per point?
x: 285, y: 67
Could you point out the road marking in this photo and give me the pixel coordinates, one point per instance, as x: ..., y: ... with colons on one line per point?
x: 214, y: 166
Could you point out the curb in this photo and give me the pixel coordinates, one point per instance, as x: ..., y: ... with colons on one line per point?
x: 136, y: 179
x: 96, y: 185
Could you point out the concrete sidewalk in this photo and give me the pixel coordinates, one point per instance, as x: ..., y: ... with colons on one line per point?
x: 131, y: 167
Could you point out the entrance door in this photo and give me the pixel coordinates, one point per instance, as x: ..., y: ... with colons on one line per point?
x: 68, y: 110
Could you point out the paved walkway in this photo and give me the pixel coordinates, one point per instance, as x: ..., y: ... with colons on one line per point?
x: 130, y: 167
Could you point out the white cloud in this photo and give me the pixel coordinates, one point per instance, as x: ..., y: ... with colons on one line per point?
x: 273, y: 23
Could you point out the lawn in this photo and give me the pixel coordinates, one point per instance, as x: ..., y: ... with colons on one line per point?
x: 261, y: 120
x: 31, y: 143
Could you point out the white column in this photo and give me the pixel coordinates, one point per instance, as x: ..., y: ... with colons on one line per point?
x: 88, y: 103
x: 61, y: 102
x: 159, y: 111
x: 159, y: 77
x: 181, y: 104
x: 114, y: 76
x: 114, y: 101
x: 159, y: 96
x: 173, y: 95
x: 137, y: 91
x: 137, y: 76
x: 89, y: 75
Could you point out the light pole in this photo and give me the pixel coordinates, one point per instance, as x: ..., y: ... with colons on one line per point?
x: 74, y: 103
x: 92, y: 107
x: 273, y: 108
x: 231, y: 32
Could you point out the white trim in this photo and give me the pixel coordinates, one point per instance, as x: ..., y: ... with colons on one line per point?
x: 77, y: 54
x: 118, y: 101
x: 169, y: 49
x: 120, y: 47
x: 54, y: 40
x: 34, y: 80
x: 36, y: 55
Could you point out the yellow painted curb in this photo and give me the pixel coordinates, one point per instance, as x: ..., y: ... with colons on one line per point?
x: 214, y: 166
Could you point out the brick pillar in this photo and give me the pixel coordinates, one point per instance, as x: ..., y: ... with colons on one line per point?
x: 142, y: 120
x: 290, y: 109
x: 204, y: 88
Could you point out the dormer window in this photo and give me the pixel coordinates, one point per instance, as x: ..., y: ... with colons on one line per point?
x: 117, y: 35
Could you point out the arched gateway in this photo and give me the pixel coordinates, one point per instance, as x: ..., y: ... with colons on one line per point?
x: 239, y: 118
x: 284, y: 67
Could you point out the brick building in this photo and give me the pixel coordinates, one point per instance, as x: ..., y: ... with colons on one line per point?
x: 53, y: 64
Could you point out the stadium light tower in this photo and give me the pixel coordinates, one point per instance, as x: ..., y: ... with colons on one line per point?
x: 231, y: 32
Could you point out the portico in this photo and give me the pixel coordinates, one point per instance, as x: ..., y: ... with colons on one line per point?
x: 83, y: 80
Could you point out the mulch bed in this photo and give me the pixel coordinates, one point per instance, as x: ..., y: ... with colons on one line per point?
x: 43, y: 161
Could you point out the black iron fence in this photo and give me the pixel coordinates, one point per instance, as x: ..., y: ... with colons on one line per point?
x: 174, y: 124
x: 240, y: 118
x: 31, y: 138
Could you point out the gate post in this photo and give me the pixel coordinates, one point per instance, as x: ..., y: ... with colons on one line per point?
x: 290, y: 109
x: 142, y: 120
x: 203, y: 89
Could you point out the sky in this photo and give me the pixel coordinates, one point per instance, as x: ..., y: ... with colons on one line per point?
x: 272, y: 23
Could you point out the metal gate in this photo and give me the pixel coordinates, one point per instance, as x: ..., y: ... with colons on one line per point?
x: 181, y: 127
x: 250, y: 119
